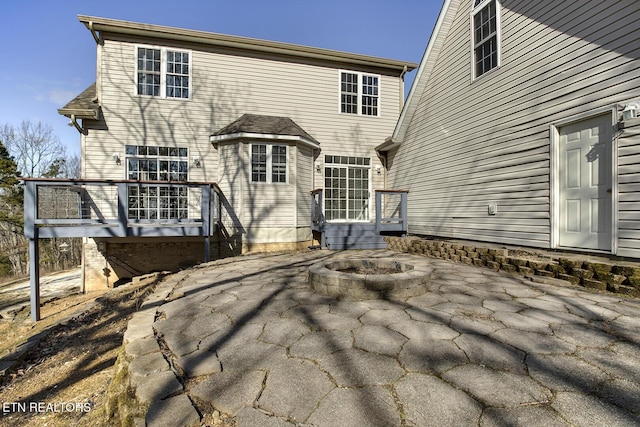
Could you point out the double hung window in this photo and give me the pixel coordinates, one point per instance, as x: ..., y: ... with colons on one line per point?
x: 485, y: 36
x: 268, y: 163
x: 163, y: 72
x: 359, y: 93
x: 163, y: 164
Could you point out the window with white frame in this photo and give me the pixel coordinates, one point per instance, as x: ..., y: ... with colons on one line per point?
x: 359, y: 93
x: 346, y: 187
x: 153, y: 163
x: 268, y: 163
x: 163, y: 72
x: 485, y: 19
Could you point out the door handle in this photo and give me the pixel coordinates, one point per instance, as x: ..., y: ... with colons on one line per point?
x: 609, y: 190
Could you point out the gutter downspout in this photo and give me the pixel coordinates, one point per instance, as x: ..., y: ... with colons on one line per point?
x: 75, y: 123
x: 94, y: 33
x: 404, y: 71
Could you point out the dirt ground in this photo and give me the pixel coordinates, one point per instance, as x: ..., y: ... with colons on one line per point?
x: 64, y: 380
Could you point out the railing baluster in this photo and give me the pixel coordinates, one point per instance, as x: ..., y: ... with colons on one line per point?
x: 397, y: 220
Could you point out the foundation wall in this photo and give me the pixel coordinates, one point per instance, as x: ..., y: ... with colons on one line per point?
x: 107, y: 261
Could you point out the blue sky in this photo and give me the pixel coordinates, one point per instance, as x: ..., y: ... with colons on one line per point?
x: 48, y: 57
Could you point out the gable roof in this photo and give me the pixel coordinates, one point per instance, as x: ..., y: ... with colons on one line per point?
x: 83, y: 106
x: 101, y: 27
x: 431, y: 53
x: 253, y: 126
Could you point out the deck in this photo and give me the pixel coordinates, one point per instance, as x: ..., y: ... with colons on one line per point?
x: 390, y: 218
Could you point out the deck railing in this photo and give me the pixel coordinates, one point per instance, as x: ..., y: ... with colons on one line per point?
x: 111, y: 208
x: 317, y: 217
x: 391, y: 211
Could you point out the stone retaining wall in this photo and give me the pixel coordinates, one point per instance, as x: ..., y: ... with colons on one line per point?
x: 611, y: 277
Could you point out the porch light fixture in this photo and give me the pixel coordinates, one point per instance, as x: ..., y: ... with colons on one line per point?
x: 318, y: 167
x: 630, y: 111
x: 116, y: 158
x: 197, y: 161
x: 378, y: 169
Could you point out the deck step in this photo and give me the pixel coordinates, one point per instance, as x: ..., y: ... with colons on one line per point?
x: 344, y: 236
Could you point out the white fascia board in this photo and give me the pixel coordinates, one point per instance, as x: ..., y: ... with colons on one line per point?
x: 421, y: 68
x: 216, y: 139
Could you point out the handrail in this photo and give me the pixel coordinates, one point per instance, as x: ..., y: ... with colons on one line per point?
x: 317, y: 217
x: 397, y: 221
x: 113, y: 221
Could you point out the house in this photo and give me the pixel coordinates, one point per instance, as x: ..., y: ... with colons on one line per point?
x: 521, y: 126
x: 173, y: 111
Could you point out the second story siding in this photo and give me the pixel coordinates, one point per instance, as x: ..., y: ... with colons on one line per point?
x: 226, y: 83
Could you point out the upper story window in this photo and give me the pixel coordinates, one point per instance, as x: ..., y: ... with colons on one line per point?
x: 163, y: 72
x: 359, y: 93
x: 268, y: 163
x: 485, y: 19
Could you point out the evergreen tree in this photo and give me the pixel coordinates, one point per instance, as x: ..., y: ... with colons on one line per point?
x: 12, y: 242
x: 11, y: 194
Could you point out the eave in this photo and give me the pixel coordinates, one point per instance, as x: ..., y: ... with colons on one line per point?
x: 219, y: 139
x: 98, y: 26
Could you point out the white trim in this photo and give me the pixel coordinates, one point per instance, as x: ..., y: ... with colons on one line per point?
x: 269, y: 165
x: 359, y: 93
x: 475, y: 11
x: 423, y: 64
x: 554, y: 196
x: 163, y: 71
x: 371, y: 199
x: 215, y: 139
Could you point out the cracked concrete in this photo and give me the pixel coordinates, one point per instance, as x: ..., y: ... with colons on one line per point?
x: 249, y: 337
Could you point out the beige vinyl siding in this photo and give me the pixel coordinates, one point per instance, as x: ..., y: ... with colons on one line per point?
x: 231, y: 182
x: 629, y: 190
x: 487, y: 141
x: 304, y: 185
x: 223, y: 88
x: 269, y: 205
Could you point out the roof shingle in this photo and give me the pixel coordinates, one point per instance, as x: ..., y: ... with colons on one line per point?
x: 265, y: 125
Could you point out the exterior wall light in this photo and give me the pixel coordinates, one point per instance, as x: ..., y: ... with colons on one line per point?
x: 630, y: 111
x: 318, y: 169
x: 116, y: 158
x: 197, y: 161
x: 378, y: 169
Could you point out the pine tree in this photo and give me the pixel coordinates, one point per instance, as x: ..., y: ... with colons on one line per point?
x: 12, y: 242
x: 11, y: 194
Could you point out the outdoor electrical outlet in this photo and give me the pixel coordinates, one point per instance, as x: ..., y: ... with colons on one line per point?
x: 493, y: 208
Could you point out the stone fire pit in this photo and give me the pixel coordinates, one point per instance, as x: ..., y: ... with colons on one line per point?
x: 369, y: 279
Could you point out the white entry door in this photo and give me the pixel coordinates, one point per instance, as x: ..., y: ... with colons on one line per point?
x: 585, y: 184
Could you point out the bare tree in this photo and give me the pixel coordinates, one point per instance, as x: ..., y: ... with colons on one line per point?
x: 34, y: 146
x: 32, y: 150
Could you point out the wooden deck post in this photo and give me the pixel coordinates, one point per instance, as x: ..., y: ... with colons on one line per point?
x: 403, y: 212
x: 31, y: 232
x: 378, y: 211
x: 206, y: 221
x: 34, y: 275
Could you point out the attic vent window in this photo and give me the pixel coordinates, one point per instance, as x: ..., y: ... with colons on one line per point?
x: 485, y: 36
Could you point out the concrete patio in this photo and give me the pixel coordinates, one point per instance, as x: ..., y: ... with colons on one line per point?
x: 249, y: 337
